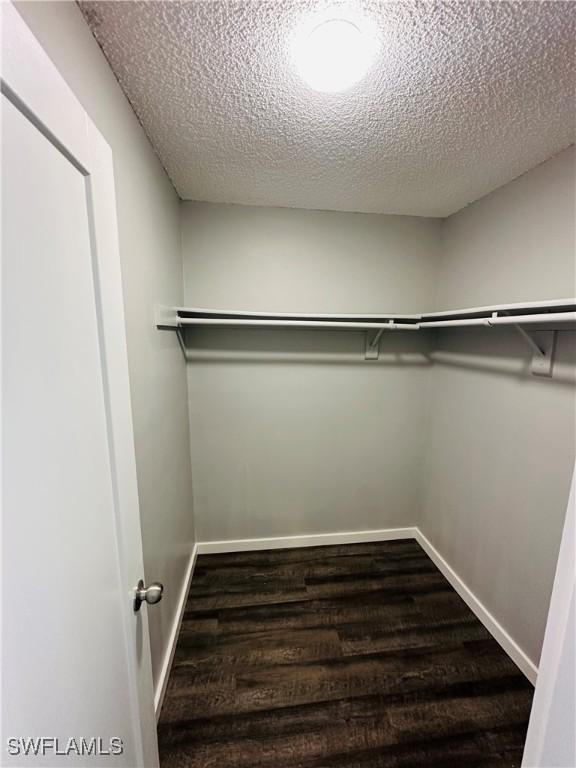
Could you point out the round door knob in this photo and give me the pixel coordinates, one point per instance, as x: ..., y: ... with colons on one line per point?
x: 150, y: 595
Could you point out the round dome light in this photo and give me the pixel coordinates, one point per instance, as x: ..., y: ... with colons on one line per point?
x: 334, y: 55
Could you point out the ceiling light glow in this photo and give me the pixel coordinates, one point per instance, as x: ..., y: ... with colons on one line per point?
x: 335, y: 54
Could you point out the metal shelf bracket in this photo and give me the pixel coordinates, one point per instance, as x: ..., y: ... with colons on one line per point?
x: 530, y: 341
x: 542, y: 350
x: 543, y: 360
x: 372, y: 351
x: 181, y: 341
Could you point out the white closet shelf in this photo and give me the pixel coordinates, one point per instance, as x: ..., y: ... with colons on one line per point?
x: 521, y: 308
x: 181, y: 317
x: 537, y: 315
x: 553, y: 311
x: 290, y: 315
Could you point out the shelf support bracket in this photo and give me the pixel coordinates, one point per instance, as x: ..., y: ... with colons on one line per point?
x: 372, y: 345
x: 181, y: 341
x: 530, y: 341
x: 542, y: 353
x: 543, y: 360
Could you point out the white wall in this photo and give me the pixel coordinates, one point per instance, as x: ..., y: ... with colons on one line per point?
x: 294, y: 432
x: 501, y: 441
x: 148, y: 221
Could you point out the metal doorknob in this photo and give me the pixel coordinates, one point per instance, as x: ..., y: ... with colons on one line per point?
x: 150, y: 595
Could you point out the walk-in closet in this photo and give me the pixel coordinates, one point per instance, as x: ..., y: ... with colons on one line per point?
x: 289, y: 372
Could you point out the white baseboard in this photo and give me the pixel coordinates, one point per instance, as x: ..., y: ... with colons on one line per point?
x: 171, y: 649
x: 348, y: 537
x: 492, y: 625
x: 309, y: 540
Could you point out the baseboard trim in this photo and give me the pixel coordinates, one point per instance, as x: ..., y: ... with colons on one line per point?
x: 309, y: 540
x: 176, y: 624
x: 482, y: 613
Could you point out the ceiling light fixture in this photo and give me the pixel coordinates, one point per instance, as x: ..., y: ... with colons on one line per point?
x: 335, y: 54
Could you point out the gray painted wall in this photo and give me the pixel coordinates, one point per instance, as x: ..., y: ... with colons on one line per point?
x: 148, y: 222
x: 294, y: 432
x: 501, y: 441
x: 291, y: 260
x: 515, y: 244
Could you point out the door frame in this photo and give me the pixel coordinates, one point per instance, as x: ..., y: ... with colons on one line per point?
x: 31, y: 82
x: 550, y: 734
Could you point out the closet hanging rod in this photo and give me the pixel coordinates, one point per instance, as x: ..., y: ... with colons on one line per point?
x: 475, y: 321
x: 539, y: 318
x: 349, y: 326
x: 545, y: 317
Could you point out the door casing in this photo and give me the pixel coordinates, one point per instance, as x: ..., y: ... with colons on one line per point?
x: 31, y: 82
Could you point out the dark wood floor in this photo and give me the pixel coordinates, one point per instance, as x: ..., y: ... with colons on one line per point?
x: 356, y: 656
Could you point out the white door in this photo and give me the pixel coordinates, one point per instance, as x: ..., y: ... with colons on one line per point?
x: 76, y: 678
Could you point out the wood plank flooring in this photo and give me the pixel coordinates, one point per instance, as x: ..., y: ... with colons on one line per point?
x: 354, y: 656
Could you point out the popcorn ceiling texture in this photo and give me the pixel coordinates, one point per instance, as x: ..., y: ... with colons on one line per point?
x: 464, y: 97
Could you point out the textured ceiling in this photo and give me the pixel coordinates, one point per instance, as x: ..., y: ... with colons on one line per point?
x: 463, y: 97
